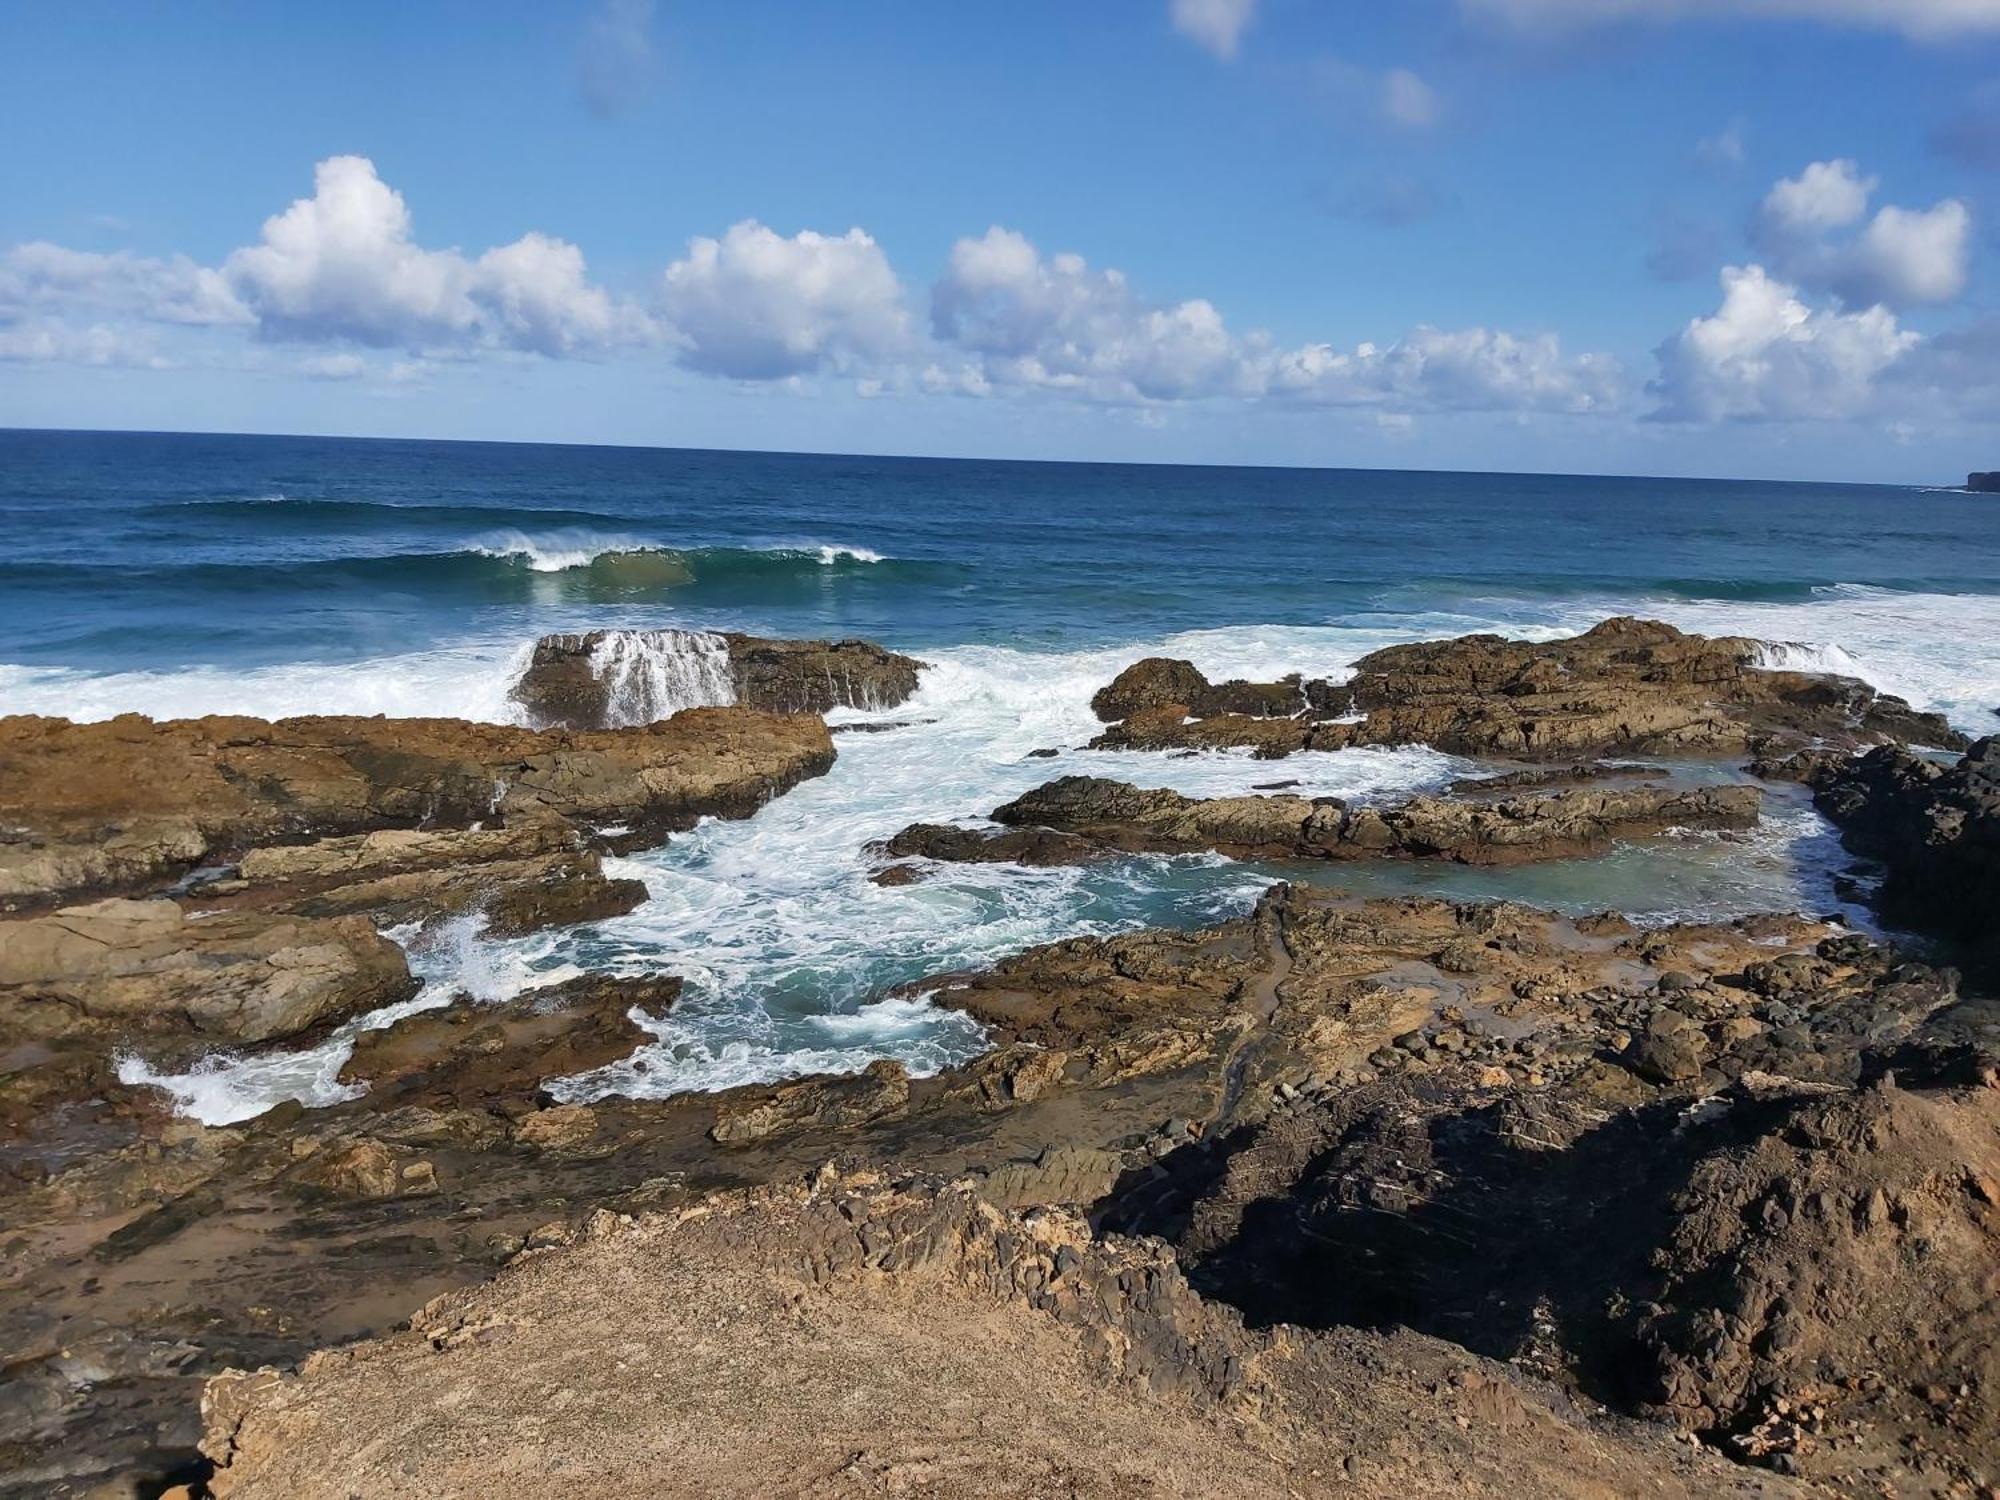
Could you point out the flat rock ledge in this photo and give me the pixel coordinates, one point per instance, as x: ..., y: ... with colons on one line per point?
x: 1624, y: 687
x: 128, y: 803
x: 1077, y: 819
x: 605, y: 678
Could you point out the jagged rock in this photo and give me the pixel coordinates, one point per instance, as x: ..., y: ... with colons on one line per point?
x: 120, y: 969
x: 129, y: 802
x: 880, y: 1090
x: 619, y: 677
x: 1936, y: 830
x: 698, y: 1352
x: 524, y: 877
x: 1080, y: 818
x: 1624, y: 687
x: 364, y: 1168
x: 476, y: 1054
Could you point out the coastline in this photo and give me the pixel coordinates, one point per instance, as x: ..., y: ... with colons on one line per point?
x: 1132, y: 1078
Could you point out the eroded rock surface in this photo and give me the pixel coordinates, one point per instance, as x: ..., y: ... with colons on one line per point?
x: 977, y: 1353
x: 129, y: 802
x: 603, y: 678
x: 1080, y: 818
x: 1935, y: 828
x: 1625, y: 687
x: 122, y: 970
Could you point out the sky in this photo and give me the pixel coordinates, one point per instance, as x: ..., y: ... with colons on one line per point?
x: 1723, y: 237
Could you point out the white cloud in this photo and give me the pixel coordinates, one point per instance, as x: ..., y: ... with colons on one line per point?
x: 333, y: 366
x: 1909, y: 256
x: 1826, y: 195
x: 756, y: 305
x: 342, y: 265
x: 175, y: 290
x: 53, y: 341
x: 1408, y: 100
x: 615, y: 68
x: 1924, y: 19
x: 1724, y: 151
x: 1054, y: 323
x: 1216, y: 25
x: 1765, y: 355
x: 1902, y: 257
x: 1466, y: 369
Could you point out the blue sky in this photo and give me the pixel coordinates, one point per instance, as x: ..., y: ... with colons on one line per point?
x: 1701, y: 236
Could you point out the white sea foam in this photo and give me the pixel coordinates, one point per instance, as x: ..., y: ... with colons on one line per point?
x: 453, y: 959
x: 557, y: 551
x: 653, y: 674
x: 786, y: 945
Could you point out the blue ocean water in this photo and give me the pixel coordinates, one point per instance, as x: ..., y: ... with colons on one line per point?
x: 178, y: 574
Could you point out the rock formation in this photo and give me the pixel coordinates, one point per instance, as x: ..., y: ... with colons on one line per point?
x: 1933, y: 827
x: 621, y: 677
x: 123, y: 970
x: 1625, y: 687
x: 978, y: 1352
x: 1080, y: 818
x: 127, y: 803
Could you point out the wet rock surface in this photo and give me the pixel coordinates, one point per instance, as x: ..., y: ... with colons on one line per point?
x: 1081, y: 818
x: 129, y: 803
x: 1935, y: 831
x: 603, y: 678
x: 1625, y: 687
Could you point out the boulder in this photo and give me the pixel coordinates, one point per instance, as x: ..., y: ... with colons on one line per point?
x: 606, y: 678
x: 123, y: 968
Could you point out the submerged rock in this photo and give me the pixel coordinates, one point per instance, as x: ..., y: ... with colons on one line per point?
x: 1624, y: 687
x: 620, y: 677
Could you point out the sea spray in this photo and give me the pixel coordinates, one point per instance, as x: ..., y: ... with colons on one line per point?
x: 653, y: 674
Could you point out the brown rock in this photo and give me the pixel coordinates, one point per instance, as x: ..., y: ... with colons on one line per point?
x: 1080, y: 818
x: 880, y: 1090
x: 122, y: 968
x: 1624, y: 687
x: 127, y: 802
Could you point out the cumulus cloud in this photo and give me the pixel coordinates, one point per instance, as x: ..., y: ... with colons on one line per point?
x: 1903, y: 257
x: 343, y: 265
x: 756, y: 305
x: 1826, y: 195
x: 1928, y: 20
x: 1765, y: 355
x: 1214, y: 25
x: 1034, y: 322
x: 615, y: 67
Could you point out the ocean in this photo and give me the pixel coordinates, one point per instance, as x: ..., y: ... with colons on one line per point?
x: 188, y: 574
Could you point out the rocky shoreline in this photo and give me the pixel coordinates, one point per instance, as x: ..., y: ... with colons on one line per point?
x: 1402, y: 1196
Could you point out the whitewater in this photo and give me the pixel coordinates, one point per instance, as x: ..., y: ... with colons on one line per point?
x: 785, y: 945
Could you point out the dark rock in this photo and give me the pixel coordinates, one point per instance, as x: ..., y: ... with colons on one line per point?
x: 608, y: 678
